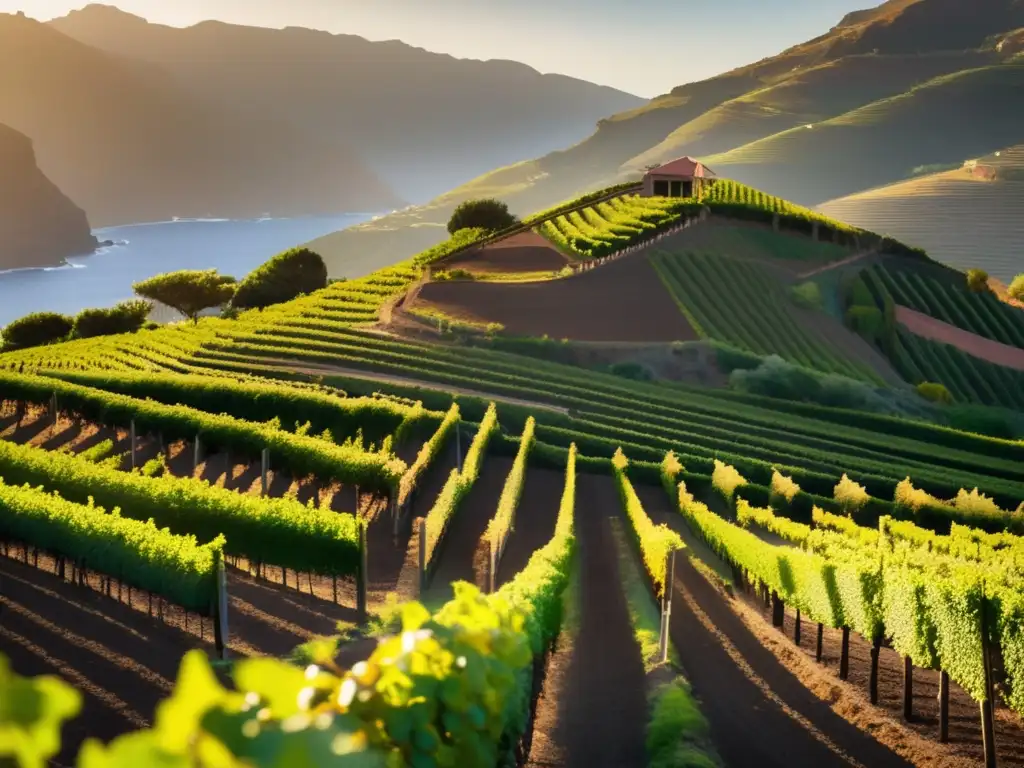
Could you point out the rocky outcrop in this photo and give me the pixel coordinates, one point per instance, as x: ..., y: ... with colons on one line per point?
x: 39, y: 225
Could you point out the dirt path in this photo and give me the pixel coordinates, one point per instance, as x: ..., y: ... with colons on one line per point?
x: 742, y: 686
x: 836, y: 264
x: 523, y: 252
x: 593, y: 710
x: 462, y: 556
x: 978, y: 346
x: 535, y: 520
x: 314, y: 369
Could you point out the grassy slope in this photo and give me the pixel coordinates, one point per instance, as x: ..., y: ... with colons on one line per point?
x: 962, y: 218
x: 885, y: 140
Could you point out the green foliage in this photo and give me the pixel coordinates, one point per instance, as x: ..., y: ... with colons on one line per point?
x: 784, y: 487
x: 1016, y: 288
x: 808, y: 295
x: 503, y: 522
x: 977, y: 280
x: 485, y: 213
x: 934, y: 392
x: 678, y: 733
x: 731, y: 359
x: 257, y: 399
x: 125, y: 317
x: 98, y: 452
x: 867, y: 322
x: 188, y: 291
x: 35, y: 330
x: 282, y: 278
x: 634, y: 371
x: 655, y: 541
x: 32, y: 711
x: 135, y: 552
x: 276, y: 531
x: 301, y: 455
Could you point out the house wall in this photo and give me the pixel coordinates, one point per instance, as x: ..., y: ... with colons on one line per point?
x: 649, y: 179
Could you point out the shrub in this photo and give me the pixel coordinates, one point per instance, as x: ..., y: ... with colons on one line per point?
x: 126, y: 317
x: 282, y: 278
x: 726, y: 479
x: 784, y: 486
x: 912, y: 498
x: 1016, y: 289
x: 977, y: 280
x: 867, y: 322
x: 189, y: 291
x: 850, y: 495
x: 633, y: 371
x: 36, y: 329
x: 933, y: 392
x: 730, y: 359
x: 807, y: 295
x: 485, y: 213
x: 976, y: 503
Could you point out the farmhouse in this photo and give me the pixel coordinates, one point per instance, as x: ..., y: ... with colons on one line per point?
x: 684, y: 177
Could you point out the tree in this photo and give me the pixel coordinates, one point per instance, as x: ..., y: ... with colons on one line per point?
x: 936, y: 393
x: 36, y: 329
x: 126, y: 317
x: 189, y: 291
x: 1016, y: 290
x: 485, y: 213
x: 282, y: 278
x: 977, y: 280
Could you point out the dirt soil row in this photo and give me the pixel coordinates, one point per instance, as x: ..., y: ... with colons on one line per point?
x: 623, y: 300
x: 522, y: 252
x: 928, y: 327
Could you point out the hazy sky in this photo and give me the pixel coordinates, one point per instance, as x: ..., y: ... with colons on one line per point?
x: 642, y: 46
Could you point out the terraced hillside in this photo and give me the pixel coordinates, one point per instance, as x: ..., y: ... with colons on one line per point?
x: 966, y: 217
x: 308, y: 468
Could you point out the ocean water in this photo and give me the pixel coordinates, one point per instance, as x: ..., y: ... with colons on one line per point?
x: 231, y: 246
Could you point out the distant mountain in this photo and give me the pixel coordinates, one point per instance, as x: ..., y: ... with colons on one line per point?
x: 910, y: 83
x: 39, y: 226
x: 968, y: 216
x: 128, y: 143
x: 423, y: 121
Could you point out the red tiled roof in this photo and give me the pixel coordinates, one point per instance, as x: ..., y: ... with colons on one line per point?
x: 683, y: 166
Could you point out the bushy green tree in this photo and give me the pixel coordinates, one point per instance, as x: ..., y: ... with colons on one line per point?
x: 282, y: 278
x: 977, y: 280
x: 936, y: 393
x: 126, y: 317
x: 486, y: 213
x: 36, y: 329
x: 189, y: 291
x: 1017, y: 288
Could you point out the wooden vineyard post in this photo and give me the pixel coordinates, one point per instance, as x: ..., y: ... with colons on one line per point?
x: 666, y: 604
x: 778, y: 611
x: 844, y: 655
x: 821, y: 633
x: 796, y: 628
x: 220, y: 611
x: 131, y: 439
x: 943, y: 706
x: 362, y: 573
x: 264, y: 469
x: 492, y: 566
x: 423, y: 554
x: 988, y: 730
x: 876, y: 648
x: 53, y: 408
x: 197, y: 449
x: 908, y: 688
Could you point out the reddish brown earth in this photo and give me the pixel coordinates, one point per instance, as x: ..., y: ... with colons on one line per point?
x: 621, y: 301
x: 524, y: 252
x: 592, y: 711
x: 841, y: 711
x: 978, y: 346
